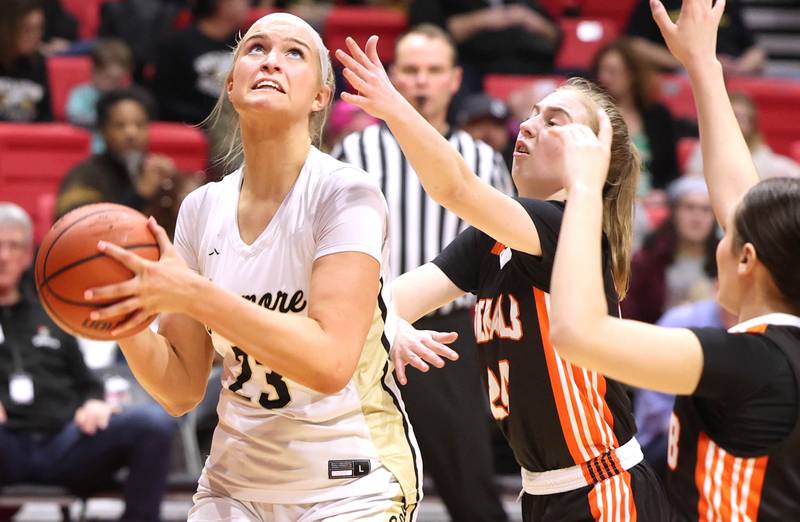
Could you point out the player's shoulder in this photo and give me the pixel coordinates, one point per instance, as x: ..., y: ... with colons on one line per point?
x: 334, y: 175
x: 208, y: 194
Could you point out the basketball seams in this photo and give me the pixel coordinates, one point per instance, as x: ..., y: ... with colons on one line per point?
x: 77, y: 262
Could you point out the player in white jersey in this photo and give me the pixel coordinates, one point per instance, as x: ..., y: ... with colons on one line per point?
x: 280, y: 268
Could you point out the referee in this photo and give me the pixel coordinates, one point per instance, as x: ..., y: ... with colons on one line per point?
x: 447, y: 406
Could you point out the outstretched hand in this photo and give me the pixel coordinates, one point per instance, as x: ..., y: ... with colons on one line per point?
x: 583, y: 157
x: 364, y: 71
x: 420, y: 348
x: 693, y: 38
x: 157, y: 286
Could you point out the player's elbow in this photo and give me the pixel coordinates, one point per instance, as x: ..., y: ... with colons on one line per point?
x: 333, y: 376
x: 180, y: 405
x: 565, y: 335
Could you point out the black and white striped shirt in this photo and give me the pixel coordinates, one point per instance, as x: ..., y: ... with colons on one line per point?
x: 419, y: 227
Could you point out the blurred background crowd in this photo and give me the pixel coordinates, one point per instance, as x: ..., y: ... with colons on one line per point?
x: 107, y: 100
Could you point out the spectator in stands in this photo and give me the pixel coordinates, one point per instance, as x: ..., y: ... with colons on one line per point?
x: 653, y: 409
x: 112, y: 65
x: 55, y: 427
x: 768, y: 163
x: 677, y: 263
x: 125, y: 173
x: 736, y: 47
x: 630, y: 80
x: 503, y: 36
x: 24, y: 94
x: 191, y: 64
x: 60, y: 28
x: 487, y: 119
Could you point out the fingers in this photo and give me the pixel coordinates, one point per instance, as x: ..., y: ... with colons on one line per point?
x: 358, y: 83
x: 400, y: 371
x: 352, y: 64
x: 661, y: 17
x: 355, y: 99
x: 357, y: 53
x: 164, y: 244
x: 718, y: 10
x: 111, y: 292
x: 125, y: 257
x: 116, y: 310
x: 372, y: 50
x: 437, y: 344
x: 417, y: 362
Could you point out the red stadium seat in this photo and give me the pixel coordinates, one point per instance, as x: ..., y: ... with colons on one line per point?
x: 64, y: 73
x: 254, y: 14
x: 582, y: 38
x: 778, y: 103
x: 361, y: 23
x: 502, y: 85
x: 686, y: 147
x: 795, y: 151
x: 87, y: 12
x: 33, y: 160
x: 676, y: 93
x: 617, y: 10
x: 186, y: 145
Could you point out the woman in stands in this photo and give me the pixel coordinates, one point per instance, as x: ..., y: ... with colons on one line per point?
x: 570, y: 429
x: 279, y: 267
x: 24, y: 91
x: 734, y: 449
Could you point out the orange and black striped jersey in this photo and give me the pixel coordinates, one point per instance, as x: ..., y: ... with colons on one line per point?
x: 553, y: 413
x: 734, y: 445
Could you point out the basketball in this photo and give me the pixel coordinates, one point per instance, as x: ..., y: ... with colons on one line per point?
x: 68, y: 263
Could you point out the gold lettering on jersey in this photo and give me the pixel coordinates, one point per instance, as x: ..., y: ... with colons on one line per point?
x: 491, y: 320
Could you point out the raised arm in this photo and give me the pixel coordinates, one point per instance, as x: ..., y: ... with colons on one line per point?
x: 728, y: 166
x: 441, y: 170
x: 667, y: 360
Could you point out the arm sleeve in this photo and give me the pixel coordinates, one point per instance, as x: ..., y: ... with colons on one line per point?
x: 353, y: 217
x: 460, y: 260
x: 736, y: 366
x: 187, y: 229
x: 546, y: 217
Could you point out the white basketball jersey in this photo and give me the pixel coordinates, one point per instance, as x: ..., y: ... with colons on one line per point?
x: 278, y: 441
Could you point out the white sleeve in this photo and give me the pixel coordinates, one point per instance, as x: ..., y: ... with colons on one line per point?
x: 186, y: 229
x: 352, y: 217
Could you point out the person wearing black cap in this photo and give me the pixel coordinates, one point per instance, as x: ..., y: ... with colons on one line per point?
x: 486, y: 119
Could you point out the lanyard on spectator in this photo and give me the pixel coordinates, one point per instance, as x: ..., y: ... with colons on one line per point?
x: 15, y: 355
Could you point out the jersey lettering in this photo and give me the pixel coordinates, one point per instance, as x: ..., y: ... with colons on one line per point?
x: 674, y: 439
x: 491, y: 322
x: 274, y: 379
x: 498, y: 391
x: 297, y: 303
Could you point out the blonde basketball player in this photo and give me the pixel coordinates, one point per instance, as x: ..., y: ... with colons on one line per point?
x: 280, y: 268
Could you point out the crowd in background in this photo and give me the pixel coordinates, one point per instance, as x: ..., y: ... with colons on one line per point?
x: 164, y: 60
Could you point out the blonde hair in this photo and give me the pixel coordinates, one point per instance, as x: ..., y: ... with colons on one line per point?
x: 619, y: 192
x: 224, y: 114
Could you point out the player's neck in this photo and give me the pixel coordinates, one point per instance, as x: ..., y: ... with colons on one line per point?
x: 273, y: 159
x: 757, y: 303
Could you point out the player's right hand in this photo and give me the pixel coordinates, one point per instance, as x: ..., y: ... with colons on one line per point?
x: 364, y: 71
x: 419, y: 348
x: 692, y: 40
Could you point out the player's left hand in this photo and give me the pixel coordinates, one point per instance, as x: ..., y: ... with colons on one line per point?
x: 157, y: 286
x: 419, y: 348
x: 364, y: 71
x: 94, y: 416
x: 584, y: 156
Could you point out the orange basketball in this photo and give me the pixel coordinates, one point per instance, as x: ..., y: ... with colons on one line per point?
x: 68, y: 263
